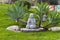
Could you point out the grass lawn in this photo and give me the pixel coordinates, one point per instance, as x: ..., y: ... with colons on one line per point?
x: 9, y: 35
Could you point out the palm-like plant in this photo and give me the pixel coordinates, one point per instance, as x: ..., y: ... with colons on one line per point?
x: 17, y: 11
x: 42, y: 9
x: 52, y: 17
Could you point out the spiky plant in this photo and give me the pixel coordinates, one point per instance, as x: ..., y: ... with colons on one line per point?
x: 17, y: 11
x: 52, y: 17
x: 42, y: 9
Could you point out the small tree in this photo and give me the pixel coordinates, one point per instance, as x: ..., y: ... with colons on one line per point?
x: 17, y: 12
x: 51, y: 17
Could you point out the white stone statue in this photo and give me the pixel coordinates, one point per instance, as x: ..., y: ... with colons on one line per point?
x: 31, y: 23
x: 44, y: 17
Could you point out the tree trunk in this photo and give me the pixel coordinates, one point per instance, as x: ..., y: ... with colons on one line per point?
x: 39, y: 23
x: 22, y: 21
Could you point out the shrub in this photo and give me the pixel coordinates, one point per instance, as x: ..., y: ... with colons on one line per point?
x: 17, y: 12
x: 50, y: 17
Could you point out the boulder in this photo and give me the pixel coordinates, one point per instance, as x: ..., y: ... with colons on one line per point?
x: 54, y: 28
x: 13, y: 28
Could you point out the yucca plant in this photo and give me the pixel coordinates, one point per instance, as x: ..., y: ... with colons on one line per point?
x: 17, y: 12
x: 51, y: 17
x: 42, y: 10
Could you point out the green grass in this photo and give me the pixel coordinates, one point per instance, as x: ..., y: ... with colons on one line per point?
x: 10, y: 35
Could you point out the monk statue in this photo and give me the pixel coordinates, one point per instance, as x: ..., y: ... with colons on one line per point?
x: 31, y: 23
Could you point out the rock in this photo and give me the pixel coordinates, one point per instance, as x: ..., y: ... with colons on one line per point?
x: 31, y: 30
x: 54, y: 28
x: 13, y: 28
x: 31, y: 23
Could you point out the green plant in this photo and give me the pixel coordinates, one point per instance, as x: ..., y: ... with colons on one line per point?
x: 17, y: 11
x: 26, y: 3
x: 42, y: 9
x: 51, y: 17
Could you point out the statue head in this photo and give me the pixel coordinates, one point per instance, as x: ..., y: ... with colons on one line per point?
x: 31, y: 15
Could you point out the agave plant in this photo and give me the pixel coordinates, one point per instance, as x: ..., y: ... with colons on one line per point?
x: 52, y: 17
x: 17, y: 11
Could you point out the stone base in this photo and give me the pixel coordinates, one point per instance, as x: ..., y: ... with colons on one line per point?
x: 31, y: 30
